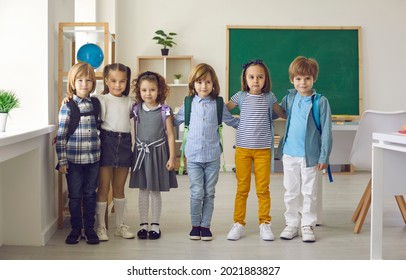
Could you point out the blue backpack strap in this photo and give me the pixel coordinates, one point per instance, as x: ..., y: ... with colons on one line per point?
x: 316, y: 110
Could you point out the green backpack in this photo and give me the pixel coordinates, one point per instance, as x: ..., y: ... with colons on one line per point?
x: 188, y: 110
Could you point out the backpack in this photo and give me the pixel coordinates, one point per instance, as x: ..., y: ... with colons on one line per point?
x: 165, y: 111
x: 272, y: 116
x: 75, y: 118
x: 316, y: 118
x: 76, y: 115
x: 188, y: 110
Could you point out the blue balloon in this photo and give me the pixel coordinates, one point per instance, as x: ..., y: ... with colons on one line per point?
x: 90, y: 53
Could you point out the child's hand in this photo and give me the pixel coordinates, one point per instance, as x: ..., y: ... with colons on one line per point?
x: 63, y: 169
x: 170, y: 165
x: 321, y: 166
x: 65, y: 100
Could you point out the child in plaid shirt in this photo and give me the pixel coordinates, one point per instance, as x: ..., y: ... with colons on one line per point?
x: 79, y: 154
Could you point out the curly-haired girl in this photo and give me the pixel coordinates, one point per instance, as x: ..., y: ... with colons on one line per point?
x: 154, y: 150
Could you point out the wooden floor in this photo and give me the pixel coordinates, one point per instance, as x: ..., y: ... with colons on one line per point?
x: 335, y: 237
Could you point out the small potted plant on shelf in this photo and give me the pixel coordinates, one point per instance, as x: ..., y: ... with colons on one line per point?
x: 177, y: 78
x: 8, y: 101
x: 166, y: 40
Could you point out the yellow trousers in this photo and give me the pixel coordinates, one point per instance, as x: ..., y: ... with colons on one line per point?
x: 244, y: 158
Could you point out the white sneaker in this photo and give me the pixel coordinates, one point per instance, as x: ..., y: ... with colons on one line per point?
x: 102, y: 233
x: 266, y: 232
x: 236, y: 231
x: 289, y: 233
x: 308, y: 234
x: 124, y: 232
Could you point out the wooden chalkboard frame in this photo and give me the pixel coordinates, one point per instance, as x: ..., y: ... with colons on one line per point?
x: 356, y: 95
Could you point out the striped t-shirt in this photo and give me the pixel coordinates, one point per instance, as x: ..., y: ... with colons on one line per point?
x: 254, y: 130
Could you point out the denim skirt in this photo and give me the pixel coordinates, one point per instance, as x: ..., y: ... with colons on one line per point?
x: 115, y: 149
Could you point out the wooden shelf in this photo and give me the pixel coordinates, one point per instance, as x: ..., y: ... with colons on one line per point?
x: 70, y: 35
x: 167, y: 66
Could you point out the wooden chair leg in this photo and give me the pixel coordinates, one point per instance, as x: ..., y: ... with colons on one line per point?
x: 364, y: 210
x: 361, y: 202
x: 402, y: 206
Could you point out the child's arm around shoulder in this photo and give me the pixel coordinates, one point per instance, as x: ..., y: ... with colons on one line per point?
x: 234, y: 101
x: 279, y: 110
x: 179, y: 117
x: 229, y: 119
x: 230, y: 105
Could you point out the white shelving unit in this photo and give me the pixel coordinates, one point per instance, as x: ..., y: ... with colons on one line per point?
x: 167, y: 66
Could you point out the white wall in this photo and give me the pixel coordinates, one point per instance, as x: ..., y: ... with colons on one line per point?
x: 28, y: 57
x: 201, y: 26
x: 24, y: 59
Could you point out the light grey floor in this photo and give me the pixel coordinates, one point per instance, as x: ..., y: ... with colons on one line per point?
x: 335, y: 237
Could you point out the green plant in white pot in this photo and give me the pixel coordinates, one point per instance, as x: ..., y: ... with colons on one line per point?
x: 177, y: 78
x: 8, y: 102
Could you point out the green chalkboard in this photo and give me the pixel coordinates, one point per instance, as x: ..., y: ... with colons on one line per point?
x: 337, y: 50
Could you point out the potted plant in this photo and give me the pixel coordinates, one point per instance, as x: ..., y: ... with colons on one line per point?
x: 177, y: 78
x: 165, y: 40
x: 8, y: 101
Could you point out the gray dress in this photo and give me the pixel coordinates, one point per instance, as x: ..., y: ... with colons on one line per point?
x: 151, y: 153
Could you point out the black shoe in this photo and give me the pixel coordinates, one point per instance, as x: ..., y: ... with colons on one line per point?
x: 142, y: 233
x: 205, y: 233
x: 91, y: 236
x: 74, y: 236
x: 194, y: 233
x: 152, y: 234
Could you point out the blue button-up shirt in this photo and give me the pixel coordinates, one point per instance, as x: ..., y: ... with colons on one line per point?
x: 203, y: 140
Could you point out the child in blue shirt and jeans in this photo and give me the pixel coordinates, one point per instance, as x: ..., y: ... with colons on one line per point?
x: 306, y: 149
x: 79, y: 154
x: 203, y: 148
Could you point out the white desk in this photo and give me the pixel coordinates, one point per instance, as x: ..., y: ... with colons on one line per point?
x: 388, y: 177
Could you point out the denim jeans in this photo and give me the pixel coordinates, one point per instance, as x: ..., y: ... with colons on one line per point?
x: 82, y: 184
x: 203, y: 177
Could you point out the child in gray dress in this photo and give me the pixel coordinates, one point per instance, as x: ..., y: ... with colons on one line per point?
x: 154, y: 150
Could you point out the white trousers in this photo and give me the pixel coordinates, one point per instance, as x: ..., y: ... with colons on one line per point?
x: 300, y: 197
